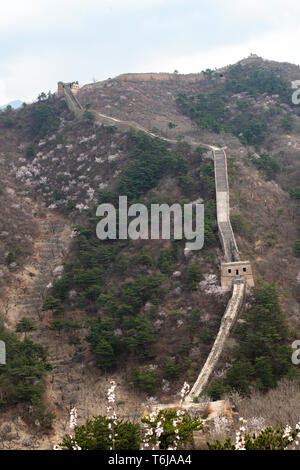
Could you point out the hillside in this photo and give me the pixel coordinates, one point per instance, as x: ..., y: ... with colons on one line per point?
x: 145, y: 313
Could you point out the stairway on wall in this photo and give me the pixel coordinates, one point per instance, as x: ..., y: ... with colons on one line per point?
x: 230, y: 253
x: 227, y: 323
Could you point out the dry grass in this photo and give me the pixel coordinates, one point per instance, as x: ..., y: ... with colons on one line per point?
x: 279, y: 406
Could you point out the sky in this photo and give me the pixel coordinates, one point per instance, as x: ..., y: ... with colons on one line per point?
x: 45, y: 41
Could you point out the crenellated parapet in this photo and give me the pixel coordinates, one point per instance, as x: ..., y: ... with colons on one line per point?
x: 69, y: 90
x: 232, y: 268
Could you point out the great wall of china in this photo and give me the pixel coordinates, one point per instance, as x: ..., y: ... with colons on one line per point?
x: 236, y: 275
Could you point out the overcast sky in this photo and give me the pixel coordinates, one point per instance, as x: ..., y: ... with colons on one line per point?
x: 44, y: 41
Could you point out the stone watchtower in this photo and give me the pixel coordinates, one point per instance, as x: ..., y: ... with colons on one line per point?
x: 74, y: 87
x: 60, y: 88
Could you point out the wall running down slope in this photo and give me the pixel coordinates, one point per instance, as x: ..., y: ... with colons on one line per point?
x: 227, y: 323
x: 67, y: 90
x: 223, y: 212
x: 235, y: 274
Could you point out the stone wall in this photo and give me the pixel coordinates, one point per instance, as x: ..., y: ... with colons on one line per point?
x: 69, y: 90
x: 236, y: 270
x: 227, y: 323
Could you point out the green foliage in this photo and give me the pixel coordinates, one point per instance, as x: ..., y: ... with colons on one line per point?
x: 25, y: 325
x: 144, y: 259
x: 208, y: 73
x: 146, y: 381
x: 262, y: 356
x: 186, y: 184
x: 149, y: 162
x: 138, y: 337
x: 214, y: 111
x: 8, y: 123
x: 104, y: 343
x: 73, y: 340
x: 145, y: 288
x: 185, y: 427
x: 218, y: 389
x: 207, y: 176
x: 94, y: 435
x: 42, y: 96
x: 53, y: 304
x: 171, y: 369
x: 239, y: 224
x: 194, y: 276
x: 67, y: 325
x: 266, y: 164
x: 250, y: 129
x: 250, y: 79
x: 43, y: 120
x: 209, y: 111
x: 209, y: 224
x: 287, y: 122
x: 267, y: 439
x: 166, y: 258
x: 88, y: 115
x: 205, y: 335
x: 22, y: 378
x: 29, y: 152
x: 297, y: 248
x: 10, y: 258
x: 295, y: 192
x: 194, y: 319
x: 199, y: 153
x: 60, y: 287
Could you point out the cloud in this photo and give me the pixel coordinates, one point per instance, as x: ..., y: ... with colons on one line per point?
x: 15, y: 13
x: 50, y: 40
x: 279, y: 46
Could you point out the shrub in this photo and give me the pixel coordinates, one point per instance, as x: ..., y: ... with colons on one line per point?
x: 25, y: 325
x: 194, y: 276
x: 138, y: 336
x: 262, y: 356
x: 266, y: 164
x: 182, y: 432
x: 171, y: 370
x: 144, y: 259
x: 297, y: 248
x: 88, y: 115
x: 94, y: 435
x: 287, y: 122
x: 194, y: 319
x: 149, y: 162
x: 165, y: 260
x: 267, y: 439
x: 239, y: 224
x: 30, y: 152
x: 53, y: 304
x: 43, y: 120
x: 22, y: 378
x: 144, y: 288
x: 146, y: 381
x: 10, y: 258
x: 295, y: 192
x: 103, y: 343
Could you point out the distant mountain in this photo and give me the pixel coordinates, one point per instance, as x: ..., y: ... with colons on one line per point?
x: 14, y: 104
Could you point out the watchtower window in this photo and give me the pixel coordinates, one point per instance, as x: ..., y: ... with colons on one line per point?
x: 244, y: 269
x: 237, y: 272
x: 229, y: 270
